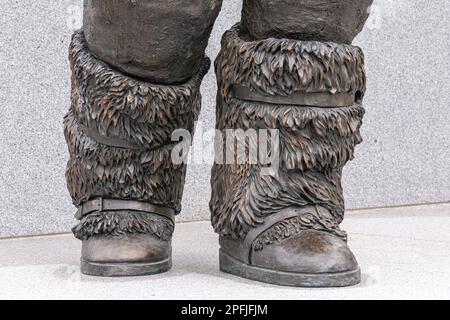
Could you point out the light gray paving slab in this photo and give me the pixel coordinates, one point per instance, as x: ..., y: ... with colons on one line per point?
x: 404, y: 254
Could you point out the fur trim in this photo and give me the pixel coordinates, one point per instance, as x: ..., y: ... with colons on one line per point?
x: 117, y: 224
x: 284, y: 66
x: 116, y: 105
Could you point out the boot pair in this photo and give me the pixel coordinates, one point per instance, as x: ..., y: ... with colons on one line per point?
x: 278, y: 226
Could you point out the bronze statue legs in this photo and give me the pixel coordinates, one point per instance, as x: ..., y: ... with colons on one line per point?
x: 137, y: 67
x: 287, y: 72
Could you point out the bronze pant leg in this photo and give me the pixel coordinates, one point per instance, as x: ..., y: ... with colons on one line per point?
x: 137, y: 67
x: 289, y: 67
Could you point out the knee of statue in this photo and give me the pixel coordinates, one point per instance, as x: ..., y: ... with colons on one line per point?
x: 337, y: 21
x: 161, y: 41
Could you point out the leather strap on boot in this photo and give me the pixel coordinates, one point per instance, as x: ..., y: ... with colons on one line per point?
x: 100, y: 204
x: 316, y: 99
x: 269, y: 222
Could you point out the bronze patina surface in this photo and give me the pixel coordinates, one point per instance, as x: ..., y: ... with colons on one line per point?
x: 137, y: 67
x: 288, y: 67
x: 158, y: 40
x: 321, y: 20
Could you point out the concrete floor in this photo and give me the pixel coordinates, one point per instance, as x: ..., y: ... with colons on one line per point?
x: 404, y: 254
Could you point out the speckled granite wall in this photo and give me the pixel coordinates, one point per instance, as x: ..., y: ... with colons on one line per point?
x: 405, y: 158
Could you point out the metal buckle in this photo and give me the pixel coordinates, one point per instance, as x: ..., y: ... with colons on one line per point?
x: 95, y: 204
x: 98, y: 205
x: 79, y: 213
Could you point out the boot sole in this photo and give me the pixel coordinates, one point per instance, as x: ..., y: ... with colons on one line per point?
x: 124, y: 269
x: 230, y: 265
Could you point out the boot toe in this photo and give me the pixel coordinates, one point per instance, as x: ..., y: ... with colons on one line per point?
x: 129, y: 255
x: 310, y: 252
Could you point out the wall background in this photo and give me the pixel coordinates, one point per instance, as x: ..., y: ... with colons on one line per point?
x: 405, y: 158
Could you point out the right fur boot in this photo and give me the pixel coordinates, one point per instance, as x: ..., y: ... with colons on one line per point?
x: 281, y: 226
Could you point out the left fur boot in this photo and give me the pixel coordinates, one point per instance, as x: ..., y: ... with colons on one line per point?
x: 120, y: 174
x: 281, y: 225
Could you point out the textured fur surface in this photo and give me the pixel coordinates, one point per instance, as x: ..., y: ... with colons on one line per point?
x: 98, y: 170
x: 141, y: 113
x: 116, y: 105
x: 315, y: 143
x: 284, y: 66
x: 118, y: 224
